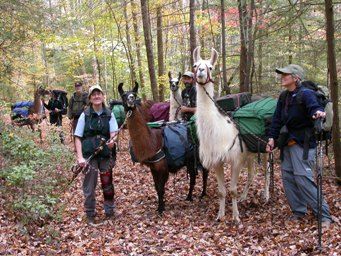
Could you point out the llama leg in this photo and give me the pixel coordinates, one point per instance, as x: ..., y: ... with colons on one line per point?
x: 250, y: 177
x: 160, y: 178
x: 192, y: 176
x: 267, y: 177
x: 233, y: 189
x: 219, y: 170
x: 204, y: 182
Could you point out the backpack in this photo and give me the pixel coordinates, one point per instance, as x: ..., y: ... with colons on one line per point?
x: 20, y: 109
x: 177, y: 146
x: 322, y: 95
x: 78, y: 106
x: 254, y: 122
x: 232, y: 102
x: 118, y: 111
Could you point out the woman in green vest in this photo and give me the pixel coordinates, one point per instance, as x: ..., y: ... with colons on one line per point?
x: 96, y: 124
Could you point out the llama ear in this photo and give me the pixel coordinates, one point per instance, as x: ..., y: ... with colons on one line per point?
x: 196, y: 54
x: 169, y: 75
x: 120, y: 89
x: 179, y: 77
x: 214, y: 57
x: 136, y: 87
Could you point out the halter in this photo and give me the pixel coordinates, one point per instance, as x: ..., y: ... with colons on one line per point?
x: 208, y: 79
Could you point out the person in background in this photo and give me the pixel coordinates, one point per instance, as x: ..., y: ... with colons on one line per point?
x: 189, y: 96
x: 57, y: 107
x: 96, y: 124
x: 77, y: 103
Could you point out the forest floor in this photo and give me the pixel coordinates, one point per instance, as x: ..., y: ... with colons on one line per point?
x: 186, y: 228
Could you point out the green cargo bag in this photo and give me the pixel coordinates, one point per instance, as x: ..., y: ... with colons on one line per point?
x: 254, y: 122
x: 118, y: 111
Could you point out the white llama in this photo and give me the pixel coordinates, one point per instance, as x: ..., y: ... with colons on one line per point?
x: 218, y: 136
x: 175, y: 97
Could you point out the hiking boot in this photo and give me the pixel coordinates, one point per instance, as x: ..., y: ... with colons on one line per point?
x: 326, y: 224
x: 109, y: 216
x: 90, y: 219
x: 295, y: 218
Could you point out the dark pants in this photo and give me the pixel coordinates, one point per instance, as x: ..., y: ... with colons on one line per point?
x: 56, y: 119
x: 104, y: 168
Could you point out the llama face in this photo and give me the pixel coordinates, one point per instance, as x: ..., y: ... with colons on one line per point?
x: 174, y: 82
x: 203, y: 68
x: 129, y: 98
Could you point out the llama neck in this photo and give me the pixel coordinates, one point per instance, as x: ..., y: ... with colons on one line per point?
x: 175, y: 97
x: 36, y: 103
x: 143, y: 140
x: 205, y: 104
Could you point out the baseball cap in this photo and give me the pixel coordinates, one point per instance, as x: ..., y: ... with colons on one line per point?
x: 77, y: 84
x: 95, y: 87
x: 189, y: 74
x: 292, y: 69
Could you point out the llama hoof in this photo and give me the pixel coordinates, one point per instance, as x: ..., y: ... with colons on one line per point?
x: 242, y: 198
x: 160, y: 210
x: 189, y: 198
x: 203, y: 195
x: 220, y: 217
x: 265, y: 196
x: 236, y: 219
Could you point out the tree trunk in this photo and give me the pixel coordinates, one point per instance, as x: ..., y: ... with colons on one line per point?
x: 250, y: 48
x: 138, y: 48
x: 226, y: 88
x: 132, y: 65
x: 149, y: 48
x: 95, y: 62
x: 161, y: 63
x: 333, y: 86
x: 46, y: 79
x: 243, y: 49
x: 192, y: 31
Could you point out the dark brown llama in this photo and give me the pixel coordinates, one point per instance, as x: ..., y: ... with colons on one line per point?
x: 147, y: 146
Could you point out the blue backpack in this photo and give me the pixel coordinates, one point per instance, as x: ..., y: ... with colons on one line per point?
x: 177, y: 145
x: 21, y: 109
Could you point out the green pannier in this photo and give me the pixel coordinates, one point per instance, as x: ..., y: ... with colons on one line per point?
x: 118, y: 111
x: 254, y: 120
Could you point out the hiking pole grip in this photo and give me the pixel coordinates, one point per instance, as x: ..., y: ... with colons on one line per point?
x: 318, y: 126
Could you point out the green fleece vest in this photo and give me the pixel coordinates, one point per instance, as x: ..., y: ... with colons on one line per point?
x: 96, y: 128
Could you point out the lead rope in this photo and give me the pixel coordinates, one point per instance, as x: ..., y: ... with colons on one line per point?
x: 178, y: 109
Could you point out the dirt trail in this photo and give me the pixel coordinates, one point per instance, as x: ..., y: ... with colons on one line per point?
x: 186, y: 228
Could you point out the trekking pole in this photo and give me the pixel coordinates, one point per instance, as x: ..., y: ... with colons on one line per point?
x: 271, y: 185
x: 319, y: 172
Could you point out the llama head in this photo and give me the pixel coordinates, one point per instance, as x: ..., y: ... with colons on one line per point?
x: 174, y: 82
x: 203, y: 68
x: 42, y: 91
x: 129, y: 98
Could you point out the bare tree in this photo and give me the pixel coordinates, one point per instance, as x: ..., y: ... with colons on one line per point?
x: 246, y: 43
x: 149, y: 48
x: 192, y: 31
x: 132, y: 65
x: 333, y: 85
x: 161, y: 63
x: 223, y: 47
x: 138, y: 47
